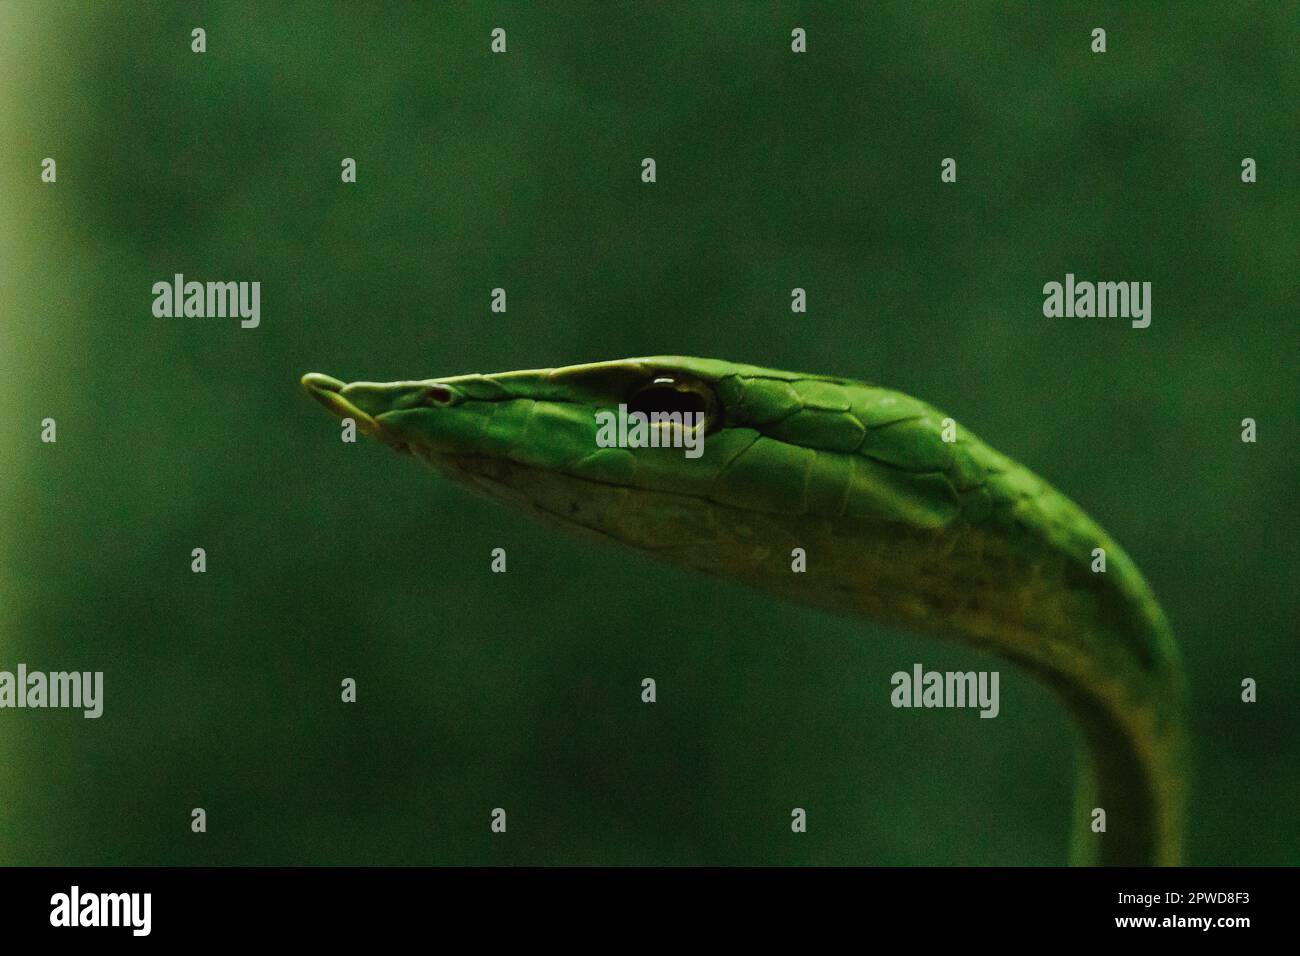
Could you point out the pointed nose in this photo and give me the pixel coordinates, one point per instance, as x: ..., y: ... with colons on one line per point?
x: 329, y: 392
x: 367, y: 401
x: 315, y: 382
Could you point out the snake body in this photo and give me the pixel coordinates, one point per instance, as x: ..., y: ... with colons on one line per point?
x: 905, y: 517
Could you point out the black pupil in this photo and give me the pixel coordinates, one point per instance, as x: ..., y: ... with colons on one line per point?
x: 665, y: 399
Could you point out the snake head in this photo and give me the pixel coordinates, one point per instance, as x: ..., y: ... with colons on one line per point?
x: 756, y: 456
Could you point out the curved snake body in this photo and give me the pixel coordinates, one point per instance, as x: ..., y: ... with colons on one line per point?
x: 905, y: 516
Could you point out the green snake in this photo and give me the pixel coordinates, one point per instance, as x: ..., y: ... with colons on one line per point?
x: 904, y: 517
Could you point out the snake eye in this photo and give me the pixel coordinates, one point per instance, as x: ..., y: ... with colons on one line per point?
x: 676, y: 395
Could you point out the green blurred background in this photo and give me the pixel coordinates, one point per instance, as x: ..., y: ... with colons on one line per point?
x: 521, y: 691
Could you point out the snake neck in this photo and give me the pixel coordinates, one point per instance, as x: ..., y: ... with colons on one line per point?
x: 1029, y: 592
x: 1076, y: 611
x: 1123, y: 683
x: 1097, y: 638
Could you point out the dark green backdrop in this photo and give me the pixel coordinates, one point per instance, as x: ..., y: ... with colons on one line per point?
x: 521, y: 690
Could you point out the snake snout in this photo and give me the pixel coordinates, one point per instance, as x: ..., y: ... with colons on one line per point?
x: 329, y: 392
x: 317, y: 382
